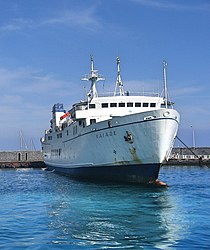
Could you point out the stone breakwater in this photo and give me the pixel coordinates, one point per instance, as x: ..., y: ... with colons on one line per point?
x: 18, y: 159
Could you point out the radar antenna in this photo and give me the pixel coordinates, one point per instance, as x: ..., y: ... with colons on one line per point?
x: 93, y: 77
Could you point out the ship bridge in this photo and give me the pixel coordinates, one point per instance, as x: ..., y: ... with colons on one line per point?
x: 104, y: 108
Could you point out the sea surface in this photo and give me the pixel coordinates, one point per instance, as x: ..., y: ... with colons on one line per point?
x: 44, y: 210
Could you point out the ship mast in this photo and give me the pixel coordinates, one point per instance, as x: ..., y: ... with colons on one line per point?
x: 93, y: 77
x: 165, y: 83
x: 119, y: 83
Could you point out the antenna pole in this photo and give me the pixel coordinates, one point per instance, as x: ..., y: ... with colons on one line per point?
x: 93, y: 78
x: 165, y: 83
x: 92, y: 64
x: 119, y: 80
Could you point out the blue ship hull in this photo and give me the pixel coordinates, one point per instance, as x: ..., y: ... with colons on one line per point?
x: 139, y: 173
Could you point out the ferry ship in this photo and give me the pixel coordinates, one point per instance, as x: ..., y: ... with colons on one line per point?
x: 122, y: 137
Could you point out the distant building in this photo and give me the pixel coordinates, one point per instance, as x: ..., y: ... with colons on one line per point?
x: 190, y: 153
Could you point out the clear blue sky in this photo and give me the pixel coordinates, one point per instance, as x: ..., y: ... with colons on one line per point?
x: 45, y: 47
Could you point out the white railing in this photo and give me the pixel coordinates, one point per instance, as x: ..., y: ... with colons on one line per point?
x: 127, y: 93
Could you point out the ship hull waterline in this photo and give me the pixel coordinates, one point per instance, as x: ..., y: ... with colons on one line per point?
x: 136, y: 173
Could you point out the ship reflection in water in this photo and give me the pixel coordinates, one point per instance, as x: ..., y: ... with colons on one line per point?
x: 116, y: 216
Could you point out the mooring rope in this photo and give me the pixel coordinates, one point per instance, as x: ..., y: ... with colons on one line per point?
x: 187, y: 147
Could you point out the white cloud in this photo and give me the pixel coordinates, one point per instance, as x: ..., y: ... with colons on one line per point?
x: 187, y: 91
x: 16, y: 25
x: 29, y: 81
x: 10, y: 99
x: 142, y: 86
x: 83, y: 19
x: 165, y: 4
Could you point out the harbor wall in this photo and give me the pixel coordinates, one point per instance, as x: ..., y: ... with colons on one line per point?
x: 14, y: 159
x: 14, y: 156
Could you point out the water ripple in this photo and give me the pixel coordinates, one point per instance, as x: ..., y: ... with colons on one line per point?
x: 46, y: 211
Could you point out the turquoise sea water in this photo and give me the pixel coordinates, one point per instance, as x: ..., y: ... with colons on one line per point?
x: 43, y: 210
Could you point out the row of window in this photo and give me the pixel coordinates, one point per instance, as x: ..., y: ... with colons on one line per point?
x: 56, y: 152
x: 21, y: 156
x: 123, y: 104
x: 59, y: 135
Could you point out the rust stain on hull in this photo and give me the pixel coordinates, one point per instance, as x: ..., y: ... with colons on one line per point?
x: 134, y: 155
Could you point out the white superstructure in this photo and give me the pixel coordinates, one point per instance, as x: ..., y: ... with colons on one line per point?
x: 123, y: 137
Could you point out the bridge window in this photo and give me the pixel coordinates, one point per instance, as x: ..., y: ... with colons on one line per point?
x: 92, y: 106
x: 145, y: 104
x: 121, y: 104
x: 104, y: 105
x: 129, y: 104
x: 113, y: 105
x: 152, y: 105
x: 137, y: 104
